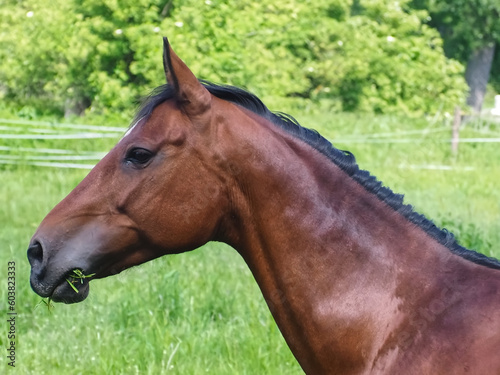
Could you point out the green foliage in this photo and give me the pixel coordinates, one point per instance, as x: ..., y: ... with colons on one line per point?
x: 465, y: 24
x: 368, y: 55
x: 495, y: 70
x: 385, y: 60
x: 70, y: 54
x: 466, y: 27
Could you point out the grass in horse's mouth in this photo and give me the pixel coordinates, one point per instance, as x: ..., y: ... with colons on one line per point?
x: 47, y: 303
x: 76, y: 275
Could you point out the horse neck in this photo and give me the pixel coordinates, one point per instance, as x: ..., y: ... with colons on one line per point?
x: 333, y: 261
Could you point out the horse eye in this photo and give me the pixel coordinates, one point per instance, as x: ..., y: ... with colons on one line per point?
x: 138, y: 156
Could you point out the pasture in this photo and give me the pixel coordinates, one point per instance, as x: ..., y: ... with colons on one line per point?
x: 202, y: 312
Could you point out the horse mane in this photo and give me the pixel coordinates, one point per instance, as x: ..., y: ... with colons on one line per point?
x: 344, y: 159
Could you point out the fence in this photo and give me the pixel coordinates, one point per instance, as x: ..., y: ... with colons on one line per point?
x: 67, y: 158
x: 11, y: 130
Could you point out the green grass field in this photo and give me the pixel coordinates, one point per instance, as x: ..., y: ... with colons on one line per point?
x: 202, y: 312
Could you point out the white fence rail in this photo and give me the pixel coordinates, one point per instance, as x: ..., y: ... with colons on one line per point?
x: 14, y: 129
x: 63, y: 158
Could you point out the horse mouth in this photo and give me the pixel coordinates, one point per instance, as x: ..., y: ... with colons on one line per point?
x: 70, y: 291
x: 67, y: 290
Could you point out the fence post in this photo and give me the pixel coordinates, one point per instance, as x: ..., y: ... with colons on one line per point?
x: 455, y: 130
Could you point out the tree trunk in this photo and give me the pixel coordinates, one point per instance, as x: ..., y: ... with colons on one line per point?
x: 477, y: 75
x: 75, y: 106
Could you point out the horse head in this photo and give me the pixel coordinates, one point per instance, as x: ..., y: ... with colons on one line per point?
x: 155, y: 193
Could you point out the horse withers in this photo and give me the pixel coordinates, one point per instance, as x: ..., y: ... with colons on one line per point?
x: 357, y: 282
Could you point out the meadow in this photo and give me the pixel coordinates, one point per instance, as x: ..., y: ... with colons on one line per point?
x: 202, y: 312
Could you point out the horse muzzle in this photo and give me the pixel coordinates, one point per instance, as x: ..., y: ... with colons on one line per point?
x: 53, y: 280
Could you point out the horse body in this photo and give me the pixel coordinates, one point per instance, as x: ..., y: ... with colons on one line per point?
x: 317, y: 260
x: 356, y: 284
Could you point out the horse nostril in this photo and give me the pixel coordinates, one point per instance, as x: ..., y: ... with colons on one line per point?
x: 35, y: 254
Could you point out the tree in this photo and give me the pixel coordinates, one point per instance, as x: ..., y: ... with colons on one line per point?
x: 75, y: 55
x: 385, y: 59
x: 471, y: 33
x: 93, y: 55
x: 371, y: 55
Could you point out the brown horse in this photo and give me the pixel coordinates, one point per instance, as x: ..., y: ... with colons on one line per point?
x: 356, y: 280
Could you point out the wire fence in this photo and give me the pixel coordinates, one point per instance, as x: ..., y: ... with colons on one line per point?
x: 18, y: 129
x: 66, y: 158
x: 52, y: 125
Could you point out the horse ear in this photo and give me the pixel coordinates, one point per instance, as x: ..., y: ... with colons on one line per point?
x: 190, y: 93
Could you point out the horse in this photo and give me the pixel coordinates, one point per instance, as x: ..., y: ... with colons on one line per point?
x: 356, y: 280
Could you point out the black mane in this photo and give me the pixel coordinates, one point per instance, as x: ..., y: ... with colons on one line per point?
x: 344, y: 159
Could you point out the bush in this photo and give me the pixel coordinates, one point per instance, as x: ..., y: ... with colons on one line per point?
x: 363, y: 55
